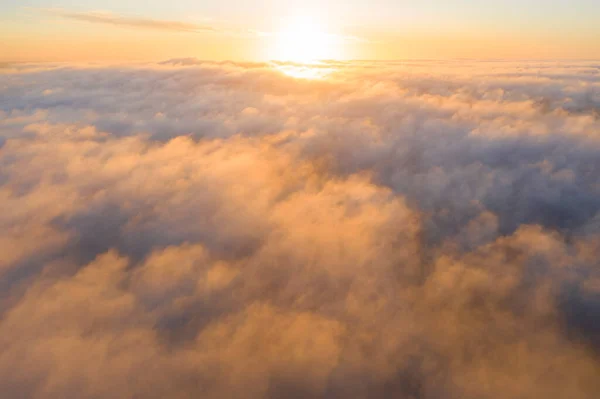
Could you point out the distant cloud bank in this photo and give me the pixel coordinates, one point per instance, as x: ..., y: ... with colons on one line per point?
x: 222, y: 230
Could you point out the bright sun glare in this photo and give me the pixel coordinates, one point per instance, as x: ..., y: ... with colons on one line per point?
x: 304, y: 40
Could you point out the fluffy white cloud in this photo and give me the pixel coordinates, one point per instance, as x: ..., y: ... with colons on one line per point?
x: 413, y: 230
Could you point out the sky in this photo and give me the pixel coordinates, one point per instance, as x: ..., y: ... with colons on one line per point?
x: 91, y: 30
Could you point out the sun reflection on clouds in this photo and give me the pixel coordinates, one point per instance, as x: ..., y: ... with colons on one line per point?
x: 311, y: 71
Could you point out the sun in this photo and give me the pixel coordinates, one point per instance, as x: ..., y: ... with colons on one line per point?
x: 304, y: 40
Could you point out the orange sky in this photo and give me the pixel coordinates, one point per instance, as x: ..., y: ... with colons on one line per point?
x: 57, y: 34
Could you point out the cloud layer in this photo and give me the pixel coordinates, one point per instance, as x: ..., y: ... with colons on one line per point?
x: 408, y: 229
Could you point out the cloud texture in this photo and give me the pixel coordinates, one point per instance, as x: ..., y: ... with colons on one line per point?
x: 218, y: 230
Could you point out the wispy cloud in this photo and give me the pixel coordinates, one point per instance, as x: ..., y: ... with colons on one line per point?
x: 108, y: 18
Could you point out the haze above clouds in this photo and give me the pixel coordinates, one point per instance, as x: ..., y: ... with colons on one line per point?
x: 222, y: 230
